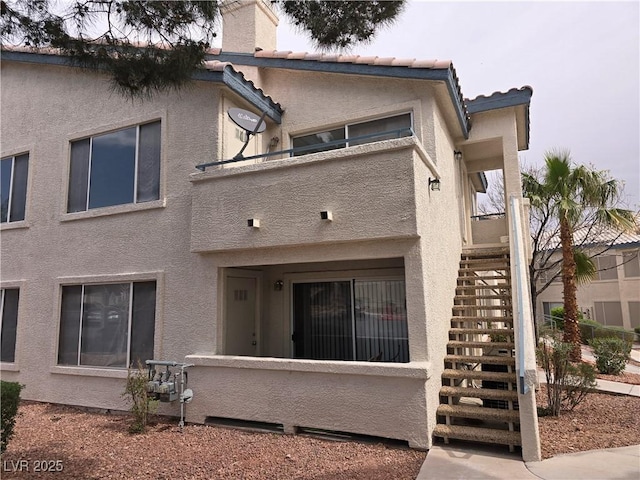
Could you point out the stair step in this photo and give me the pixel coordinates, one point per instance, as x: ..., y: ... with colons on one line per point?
x: 481, y: 331
x: 486, y: 435
x: 504, y: 296
x: 484, y: 345
x: 484, y: 278
x: 485, y: 252
x: 476, y: 319
x: 464, y: 288
x: 479, y: 375
x: 482, y: 307
x: 498, y: 274
x: 486, y: 359
x: 484, y: 265
x: 478, y: 412
x: 486, y: 393
x: 484, y: 259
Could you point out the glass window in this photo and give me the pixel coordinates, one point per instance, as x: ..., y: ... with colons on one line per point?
x: 374, y: 130
x: 363, y: 320
x: 110, y: 325
x: 634, y: 314
x: 115, y: 168
x: 607, y: 269
x: 608, y: 313
x: 9, y: 312
x: 13, y: 187
x: 631, y: 264
x: 398, y: 126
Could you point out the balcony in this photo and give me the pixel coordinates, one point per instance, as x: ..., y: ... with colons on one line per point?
x: 369, y: 190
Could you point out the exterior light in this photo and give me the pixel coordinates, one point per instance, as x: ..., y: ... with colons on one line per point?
x: 434, y: 184
x: 277, y: 286
x: 457, y: 154
x: 253, y: 223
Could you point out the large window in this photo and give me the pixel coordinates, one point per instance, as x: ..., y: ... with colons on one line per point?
x: 346, y: 136
x: 115, y: 168
x: 9, y: 312
x: 363, y: 320
x: 110, y: 325
x: 607, y: 269
x: 13, y: 187
x: 631, y: 262
x: 608, y: 313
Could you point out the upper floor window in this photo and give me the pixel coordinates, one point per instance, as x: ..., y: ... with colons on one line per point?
x: 107, y: 325
x: 115, y: 168
x: 354, y: 134
x: 607, y: 267
x: 631, y: 262
x: 9, y: 298
x: 13, y: 187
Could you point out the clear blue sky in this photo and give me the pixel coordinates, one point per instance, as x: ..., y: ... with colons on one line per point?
x: 581, y: 59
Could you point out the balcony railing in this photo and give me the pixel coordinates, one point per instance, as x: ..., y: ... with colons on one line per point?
x: 372, y: 137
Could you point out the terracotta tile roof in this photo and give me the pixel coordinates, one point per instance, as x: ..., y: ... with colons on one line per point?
x: 514, y: 96
x: 603, y: 236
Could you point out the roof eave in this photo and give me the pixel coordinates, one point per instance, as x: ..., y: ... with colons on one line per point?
x: 445, y: 75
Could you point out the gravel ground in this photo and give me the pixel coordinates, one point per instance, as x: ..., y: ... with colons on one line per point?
x: 89, y: 445
x: 98, y: 446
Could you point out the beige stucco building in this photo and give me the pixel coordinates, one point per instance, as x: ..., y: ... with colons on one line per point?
x: 331, y: 278
x: 612, y: 298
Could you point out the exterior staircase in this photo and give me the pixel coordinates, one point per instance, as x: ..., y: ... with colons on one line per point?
x: 478, y: 398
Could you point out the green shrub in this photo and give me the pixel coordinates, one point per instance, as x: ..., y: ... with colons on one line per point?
x: 567, y: 384
x: 557, y: 318
x: 611, y: 354
x: 10, y: 400
x: 141, y: 405
x: 590, y: 330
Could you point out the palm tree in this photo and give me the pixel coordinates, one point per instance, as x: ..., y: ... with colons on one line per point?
x: 571, y: 193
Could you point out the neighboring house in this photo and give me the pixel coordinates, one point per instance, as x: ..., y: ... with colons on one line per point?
x: 613, y: 297
x: 311, y: 289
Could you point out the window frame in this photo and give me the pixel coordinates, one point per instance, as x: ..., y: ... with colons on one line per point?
x: 607, y: 270
x: 631, y: 259
x: 100, y: 370
x: 3, y: 289
x: 345, y: 127
x: 348, y: 276
x: 12, y: 157
x: 134, y: 205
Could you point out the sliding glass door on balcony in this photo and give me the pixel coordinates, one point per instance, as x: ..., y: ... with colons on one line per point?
x: 364, y: 320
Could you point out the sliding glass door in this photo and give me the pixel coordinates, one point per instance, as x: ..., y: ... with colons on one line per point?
x: 364, y: 320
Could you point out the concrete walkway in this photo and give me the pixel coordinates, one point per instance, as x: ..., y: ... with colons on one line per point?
x: 449, y: 462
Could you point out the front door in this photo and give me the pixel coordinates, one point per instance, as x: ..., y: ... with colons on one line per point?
x: 241, y: 334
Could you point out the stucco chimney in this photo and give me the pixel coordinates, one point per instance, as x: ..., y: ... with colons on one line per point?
x: 248, y: 25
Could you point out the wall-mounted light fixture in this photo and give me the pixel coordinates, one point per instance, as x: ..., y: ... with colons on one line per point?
x: 277, y: 286
x: 457, y: 154
x: 434, y: 184
x: 253, y: 222
x: 326, y: 215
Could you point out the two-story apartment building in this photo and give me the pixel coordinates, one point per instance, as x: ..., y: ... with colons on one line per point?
x: 312, y: 284
x: 612, y: 298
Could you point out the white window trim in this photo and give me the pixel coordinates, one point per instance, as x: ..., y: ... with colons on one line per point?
x: 134, y: 121
x: 20, y: 223
x: 20, y: 285
x: 98, y: 371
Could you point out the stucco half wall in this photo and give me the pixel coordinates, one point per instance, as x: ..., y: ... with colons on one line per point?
x: 384, y: 400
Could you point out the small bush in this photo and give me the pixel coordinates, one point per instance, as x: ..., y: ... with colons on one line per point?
x: 611, y: 354
x: 10, y: 400
x: 557, y: 318
x: 567, y: 384
x: 141, y: 405
x: 587, y: 329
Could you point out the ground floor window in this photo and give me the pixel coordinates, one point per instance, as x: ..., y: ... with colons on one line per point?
x: 363, y: 320
x: 108, y: 325
x: 9, y: 298
x: 608, y: 313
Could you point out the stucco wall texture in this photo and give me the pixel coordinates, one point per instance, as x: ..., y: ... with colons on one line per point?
x: 386, y: 221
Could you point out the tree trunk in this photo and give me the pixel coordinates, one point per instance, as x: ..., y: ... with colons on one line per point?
x: 571, y: 329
